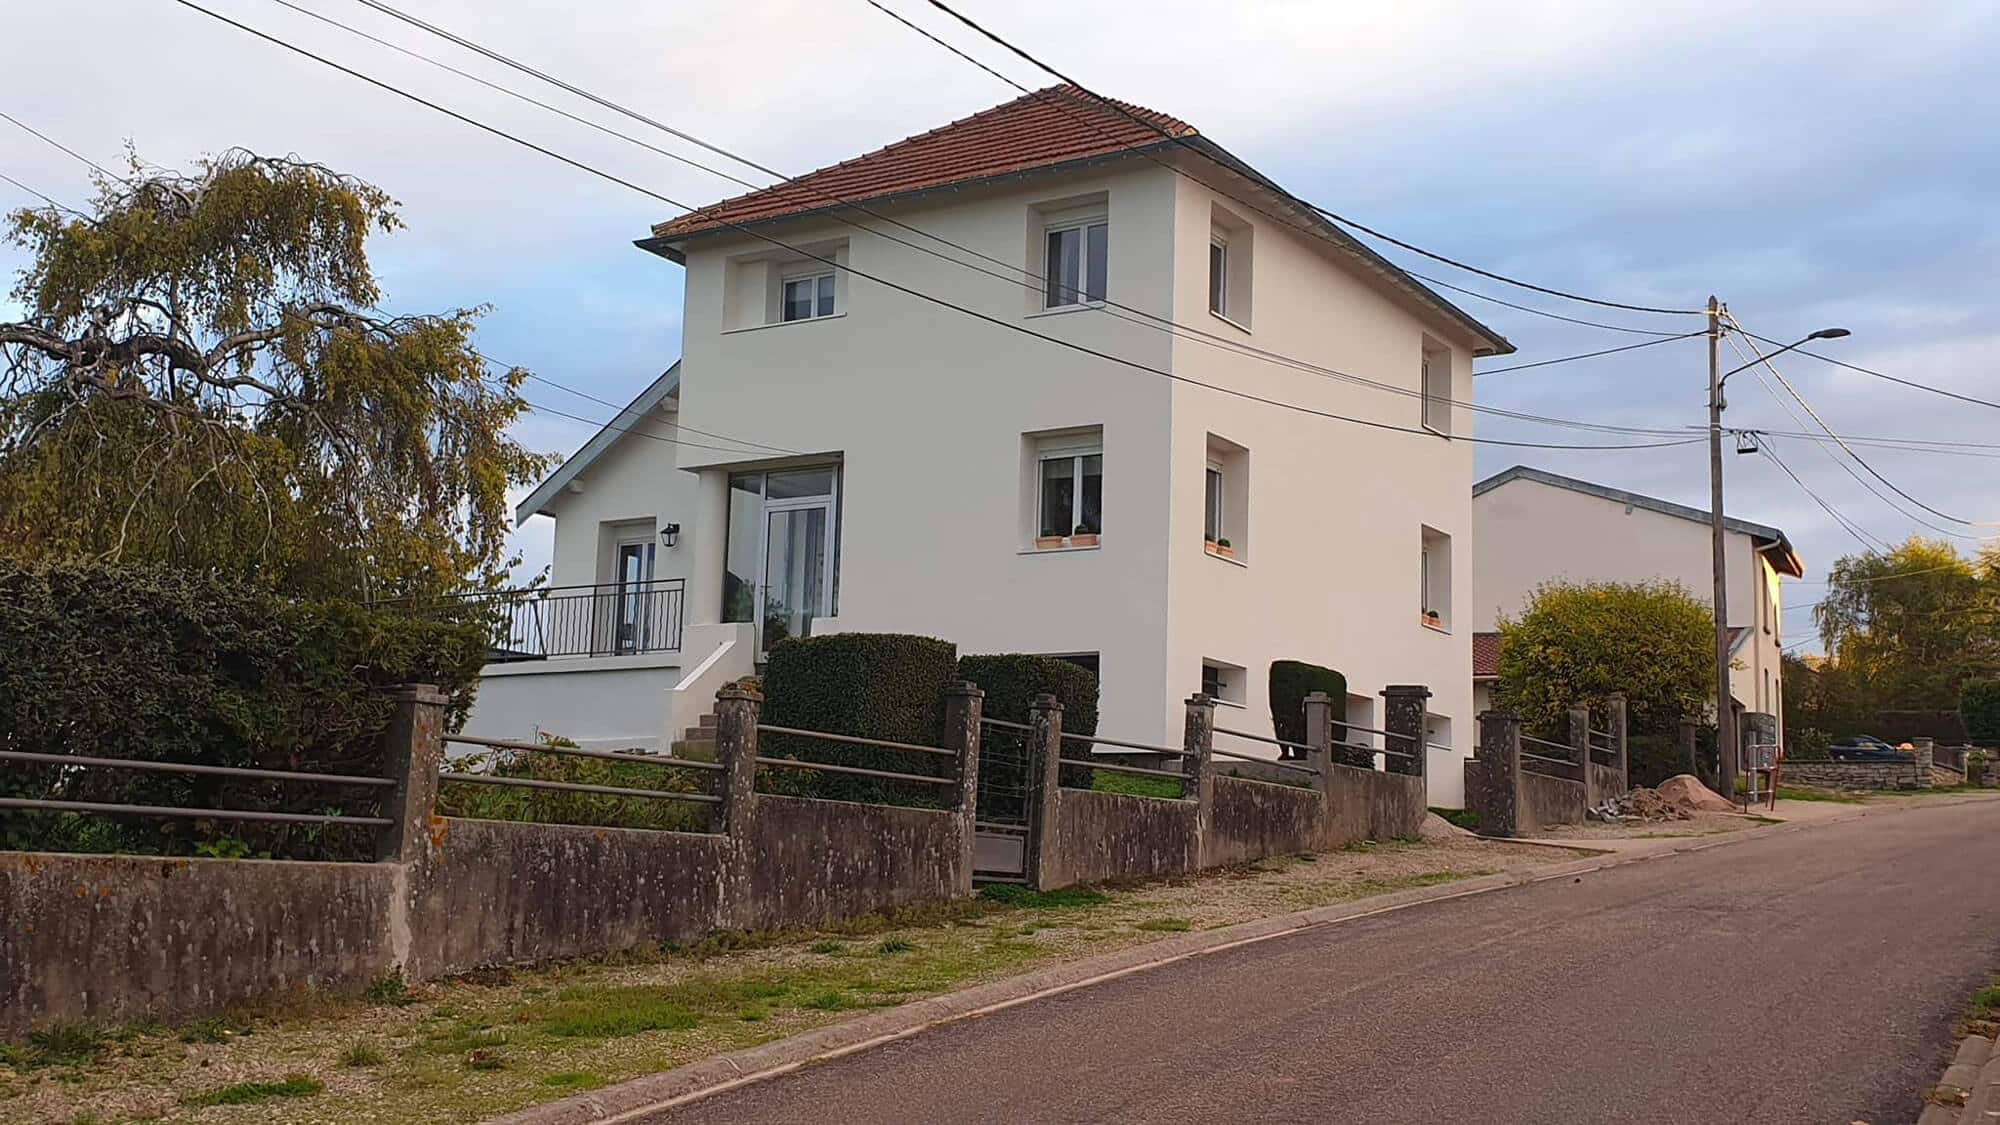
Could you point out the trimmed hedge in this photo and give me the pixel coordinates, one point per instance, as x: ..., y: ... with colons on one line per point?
x: 164, y: 665
x: 1979, y: 708
x: 1290, y: 682
x: 1011, y: 682
x: 869, y: 685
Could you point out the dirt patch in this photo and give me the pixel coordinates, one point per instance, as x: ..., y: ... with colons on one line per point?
x: 469, y: 1049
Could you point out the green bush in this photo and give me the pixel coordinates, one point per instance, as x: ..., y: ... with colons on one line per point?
x: 1809, y: 744
x: 1011, y: 682
x: 869, y: 685
x: 1979, y: 707
x: 1291, y: 681
x: 165, y: 665
x: 544, y: 806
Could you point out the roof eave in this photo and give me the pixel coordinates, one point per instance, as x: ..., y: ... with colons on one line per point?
x: 642, y: 404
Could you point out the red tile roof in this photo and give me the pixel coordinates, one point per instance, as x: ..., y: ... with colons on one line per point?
x: 1485, y: 656
x: 1058, y: 125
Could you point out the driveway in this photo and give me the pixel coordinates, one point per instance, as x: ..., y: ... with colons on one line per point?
x: 1808, y: 976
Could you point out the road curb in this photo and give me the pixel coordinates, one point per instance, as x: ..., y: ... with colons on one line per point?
x: 681, y: 1085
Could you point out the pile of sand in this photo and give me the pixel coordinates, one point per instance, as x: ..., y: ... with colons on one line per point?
x: 1436, y: 827
x: 1685, y: 791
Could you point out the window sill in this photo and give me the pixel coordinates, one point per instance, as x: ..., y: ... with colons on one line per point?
x: 1221, y: 702
x: 1064, y: 310
x: 1238, y: 325
x: 1058, y: 550
x: 1218, y: 556
x: 1445, y: 629
x: 1445, y: 434
x: 783, y: 324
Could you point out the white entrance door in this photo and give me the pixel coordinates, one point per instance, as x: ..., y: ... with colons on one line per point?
x: 797, y: 565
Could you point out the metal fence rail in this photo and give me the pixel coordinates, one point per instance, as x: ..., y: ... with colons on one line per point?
x: 802, y: 764
x: 600, y: 620
x: 1114, y: 767
x: 1565, y: 747
x: 249, y: 773
x: 1299, y: 746
x: 1170, y: 751
x: 578, y: 787
x: 1283, y: 765
x: 638, y: 756
x: 197, y: 814
x: 190, y: 767
x: 855, y: 741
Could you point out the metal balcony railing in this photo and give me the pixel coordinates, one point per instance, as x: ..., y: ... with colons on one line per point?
x: 613, y: 619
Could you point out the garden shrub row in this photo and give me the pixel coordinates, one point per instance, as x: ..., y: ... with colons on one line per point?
x: 168, y: 665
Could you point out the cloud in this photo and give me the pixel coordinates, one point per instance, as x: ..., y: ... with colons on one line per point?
x: 1811, y: 163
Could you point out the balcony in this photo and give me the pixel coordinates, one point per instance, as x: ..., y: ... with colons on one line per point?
x: 612, y: 619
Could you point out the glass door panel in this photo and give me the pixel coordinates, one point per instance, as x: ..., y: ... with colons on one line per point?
x: 796, y: 573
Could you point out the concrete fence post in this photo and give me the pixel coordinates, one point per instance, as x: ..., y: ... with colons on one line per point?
x: 1197, y: 740
x: 1319, y: 736
x: 1579, y: 746
x: 412, y: 754
x: 1615, y: 722
x: 1499, y: 797
x: 1689, y: 729
x: 1042, y: 744
x: 1926, y: 753
x: 963, y: 704
x: 1403, y: 710
x: 736, y: 709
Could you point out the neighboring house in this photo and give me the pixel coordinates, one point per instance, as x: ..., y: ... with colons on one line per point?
x: 958, y: 478
x: 593, y: 654
x: 1531, y: 527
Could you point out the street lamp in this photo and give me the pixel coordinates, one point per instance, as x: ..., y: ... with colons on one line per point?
x: 1726, y: 750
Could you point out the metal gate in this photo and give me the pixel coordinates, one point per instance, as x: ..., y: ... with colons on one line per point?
x: 1002, y: 824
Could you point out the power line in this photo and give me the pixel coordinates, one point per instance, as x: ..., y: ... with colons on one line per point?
x: 39, y: 195
x: 1021, y: 276
x: 51, y: 141
x: 877, y: 279
x: 1591, y: 355
x: 1807, y: 407
x: 1532, y: 309
x: 1877, y: 374
x: 1341, y: 219
x: 1870, y: 544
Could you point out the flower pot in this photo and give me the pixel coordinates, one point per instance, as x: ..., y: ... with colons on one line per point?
x: 1221, y: 551
x: 1048, y: 542
x: 1433, y: 620
x: 1086, y: 539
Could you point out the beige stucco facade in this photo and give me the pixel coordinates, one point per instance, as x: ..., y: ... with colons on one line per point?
x: 1531, y: 527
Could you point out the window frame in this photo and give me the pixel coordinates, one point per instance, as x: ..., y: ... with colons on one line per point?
x: 1218, y: 275
x: 1429, y: 400
x: 818, y: 276
x: 1076, y: 458
x: 1426, y: 536
x: 1214, y: 503
x: 1080, y: 296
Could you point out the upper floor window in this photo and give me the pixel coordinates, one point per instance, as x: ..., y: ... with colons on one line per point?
x: 1074, y: 261
x: 1229, y: 246
x: 1436, y: 386
x: 808, y: 297
x: 1225, y: 524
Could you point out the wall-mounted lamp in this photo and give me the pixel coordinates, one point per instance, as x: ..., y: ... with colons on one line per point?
x: 670, y: 534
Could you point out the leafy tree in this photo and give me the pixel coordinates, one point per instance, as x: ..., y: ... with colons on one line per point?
x: 1979, y: 706
x: 1573, y: 644
x: 1908, y: 627
x: 201, y: 380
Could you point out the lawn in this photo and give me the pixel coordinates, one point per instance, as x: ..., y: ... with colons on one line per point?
x: 499, y: 1039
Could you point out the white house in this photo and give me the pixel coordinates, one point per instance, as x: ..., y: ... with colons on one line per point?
x: 1531, y: 527
x: 1075, y: 382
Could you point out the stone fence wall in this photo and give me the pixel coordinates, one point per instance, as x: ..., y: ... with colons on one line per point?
x: 1911, y: 772
x: 1517, y: 797
x: 1082, y: 836
x: 117, y: 938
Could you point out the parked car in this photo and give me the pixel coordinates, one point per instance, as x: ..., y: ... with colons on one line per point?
x: 1863, y: 748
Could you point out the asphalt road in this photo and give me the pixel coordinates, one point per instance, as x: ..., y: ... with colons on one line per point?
x: 1803, y: 977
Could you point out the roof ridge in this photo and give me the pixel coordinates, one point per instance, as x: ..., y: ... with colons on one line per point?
x: 804, y: 181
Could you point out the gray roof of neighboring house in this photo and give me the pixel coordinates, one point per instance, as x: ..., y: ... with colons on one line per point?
x: 668, y: 385
x: 1772, y: 541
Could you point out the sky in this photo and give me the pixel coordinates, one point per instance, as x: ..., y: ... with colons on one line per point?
x: 1813, y: 164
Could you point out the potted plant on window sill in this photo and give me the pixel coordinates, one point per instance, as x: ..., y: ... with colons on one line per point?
x: 1048, y: 542
x: 1220, y: 548
x: 1432, y: 619
x: 1082, y: 537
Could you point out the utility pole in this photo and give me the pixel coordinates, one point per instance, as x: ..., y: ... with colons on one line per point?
x: 1725, y: 720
